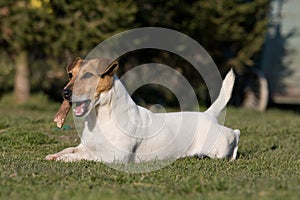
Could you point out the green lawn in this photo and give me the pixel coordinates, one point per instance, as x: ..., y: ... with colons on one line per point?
x: 268, y: 166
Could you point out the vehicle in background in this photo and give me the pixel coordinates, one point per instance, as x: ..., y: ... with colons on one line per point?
x: 276, y: 79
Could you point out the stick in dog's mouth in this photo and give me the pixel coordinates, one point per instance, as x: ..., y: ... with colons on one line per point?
x: 62, y: 113
x: 81, y: 107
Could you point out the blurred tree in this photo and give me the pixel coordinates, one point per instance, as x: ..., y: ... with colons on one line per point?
x: 76, y: 27
x: 16, y: 38
x: 81, y: 25
x: 40, y: 35
x: 232, y: 31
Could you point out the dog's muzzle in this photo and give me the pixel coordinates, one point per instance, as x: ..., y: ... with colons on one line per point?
x: 80, y: 108
x: 67, y: 94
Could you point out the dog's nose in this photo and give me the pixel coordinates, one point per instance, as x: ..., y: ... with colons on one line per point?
x: 67, y: 93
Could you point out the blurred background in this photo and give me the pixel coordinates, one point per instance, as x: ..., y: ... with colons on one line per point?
x: 258, y: 38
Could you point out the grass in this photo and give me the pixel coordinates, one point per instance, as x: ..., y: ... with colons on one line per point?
x: 268, y: 166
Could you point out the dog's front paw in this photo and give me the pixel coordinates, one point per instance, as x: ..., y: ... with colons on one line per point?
x: 52, y: 157
x: 68, y: 158
x: 64, y: 158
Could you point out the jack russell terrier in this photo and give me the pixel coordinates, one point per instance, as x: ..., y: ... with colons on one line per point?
x: 115, y: 129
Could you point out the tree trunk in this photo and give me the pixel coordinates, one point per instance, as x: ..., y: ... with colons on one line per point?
x: 21, y: 85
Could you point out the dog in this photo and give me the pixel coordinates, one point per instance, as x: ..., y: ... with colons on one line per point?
x: 115, y: 129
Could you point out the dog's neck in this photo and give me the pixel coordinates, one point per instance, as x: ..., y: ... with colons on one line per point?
x: 121, y: 100
x: 116, y: 104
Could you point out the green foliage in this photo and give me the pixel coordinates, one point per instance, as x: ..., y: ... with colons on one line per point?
x: 59, y: 26
x: 232, y: 32
x: 56, y: 32
x: 267, y: 166
x: 79, y: 26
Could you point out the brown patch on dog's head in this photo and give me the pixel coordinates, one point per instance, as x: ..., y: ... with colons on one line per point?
x: 72, y: 71
x: 106, y: 75
x: 74, y: 67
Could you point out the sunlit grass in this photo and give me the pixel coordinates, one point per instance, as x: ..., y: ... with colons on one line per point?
x: 268, y: 164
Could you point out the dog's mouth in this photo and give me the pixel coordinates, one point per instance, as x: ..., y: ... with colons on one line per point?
x: 81, y: 107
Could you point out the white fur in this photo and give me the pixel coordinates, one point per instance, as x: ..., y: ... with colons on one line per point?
x: 117, y: 130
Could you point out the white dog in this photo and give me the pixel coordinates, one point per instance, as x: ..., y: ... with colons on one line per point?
x: 115, y: 129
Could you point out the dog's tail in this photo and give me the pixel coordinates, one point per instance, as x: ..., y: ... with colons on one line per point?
x: 225, y: 94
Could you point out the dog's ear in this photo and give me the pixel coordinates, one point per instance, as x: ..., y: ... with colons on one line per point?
x: 110, y: 70
x: 73, y: 64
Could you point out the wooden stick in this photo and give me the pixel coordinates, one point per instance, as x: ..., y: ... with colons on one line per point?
x: 62, y: 113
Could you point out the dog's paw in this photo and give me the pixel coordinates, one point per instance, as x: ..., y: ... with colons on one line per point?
x: 68, y: 158
x: 64, y: 158
x: 52, y: 157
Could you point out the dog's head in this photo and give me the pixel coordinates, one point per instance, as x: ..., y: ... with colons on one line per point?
x: 94, y: 77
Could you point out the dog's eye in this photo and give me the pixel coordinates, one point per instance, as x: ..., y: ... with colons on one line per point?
x: 70, y: 75
x: 87, y: 75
